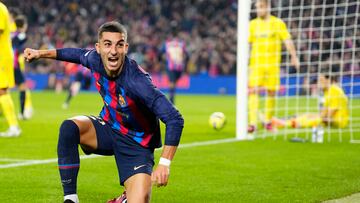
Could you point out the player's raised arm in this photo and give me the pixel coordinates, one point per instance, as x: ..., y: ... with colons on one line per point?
x: 72, y: 55
x: 33, y: 54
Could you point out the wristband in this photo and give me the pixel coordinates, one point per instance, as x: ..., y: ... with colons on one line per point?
x: 164, y: 162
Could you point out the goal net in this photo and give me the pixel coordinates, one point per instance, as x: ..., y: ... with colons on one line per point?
x: 326, y: 36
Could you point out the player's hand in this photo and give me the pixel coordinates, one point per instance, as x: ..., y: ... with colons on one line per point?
x: 31, y: 54
x: 160, y: 176
x: 295, y: 62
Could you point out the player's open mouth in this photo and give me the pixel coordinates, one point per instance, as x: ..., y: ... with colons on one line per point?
x: 113, y: 61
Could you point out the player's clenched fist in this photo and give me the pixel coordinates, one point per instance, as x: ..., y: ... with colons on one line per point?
x: 160, y: 176
x: 31, y: 54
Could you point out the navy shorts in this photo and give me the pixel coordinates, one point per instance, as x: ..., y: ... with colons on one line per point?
x: 131, y: 158
x: 19, y: 76
x: 174, y: 76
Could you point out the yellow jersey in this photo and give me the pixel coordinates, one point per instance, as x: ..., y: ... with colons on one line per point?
x: 6, y: 51
x: 265, y: 37
x: 12, y: 27
x: 335, y: 99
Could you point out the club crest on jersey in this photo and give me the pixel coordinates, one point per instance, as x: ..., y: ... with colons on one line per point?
x: 122, y: 101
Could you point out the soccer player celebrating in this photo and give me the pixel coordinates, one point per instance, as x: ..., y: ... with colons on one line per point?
x: 128, y: 125
x: 266, y: 33
x: 334, y: 110
x: 7, y: 74
x: 18, y: 41
x: 176, y: 59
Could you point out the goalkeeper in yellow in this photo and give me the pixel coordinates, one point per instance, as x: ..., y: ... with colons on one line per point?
x: 7, y: 74
x: 266, y: 34
x: 334, y: 111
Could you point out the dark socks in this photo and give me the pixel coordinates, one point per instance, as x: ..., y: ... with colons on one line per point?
x: 68, y: 98
x: 22, y: 102
x: 68, y: 156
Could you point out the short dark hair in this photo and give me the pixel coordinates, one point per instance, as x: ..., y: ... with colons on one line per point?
x: 20, y: 21
x: 112, y: 26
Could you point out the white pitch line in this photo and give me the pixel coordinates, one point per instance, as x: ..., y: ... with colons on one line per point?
x: 47, y: 161
x: 211, y: 142
x: 355, y: 141
x: 14, y: 160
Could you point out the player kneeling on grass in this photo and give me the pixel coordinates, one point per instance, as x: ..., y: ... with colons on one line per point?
x: 128, y: 125
x: 334, y: 112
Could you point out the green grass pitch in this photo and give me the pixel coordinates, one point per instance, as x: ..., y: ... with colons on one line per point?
x: 264, y: 170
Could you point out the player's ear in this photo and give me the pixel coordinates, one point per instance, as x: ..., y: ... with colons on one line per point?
x: 126, y: 48
x: 97, y: 47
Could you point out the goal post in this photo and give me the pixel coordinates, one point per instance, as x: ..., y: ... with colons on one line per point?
x: 244, y: 7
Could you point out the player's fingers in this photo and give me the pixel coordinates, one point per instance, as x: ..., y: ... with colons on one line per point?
x: 166, y: 179
x: 159, y: 180
x: 165, y: 176
x: 162, y: 179
x: 153, y: 179
x: 28, y: 56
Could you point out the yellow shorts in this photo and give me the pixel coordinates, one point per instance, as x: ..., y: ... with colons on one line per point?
x: 7, y: 73
x: 267, y: 77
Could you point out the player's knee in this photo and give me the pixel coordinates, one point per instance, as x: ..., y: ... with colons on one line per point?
x: 139, y: 194
x: 69, y: 130
x: 144, y: 195
x: 138, y: 189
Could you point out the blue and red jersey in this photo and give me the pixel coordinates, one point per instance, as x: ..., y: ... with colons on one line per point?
x: 175, y: 51
x: 18, y: 41
x: 132, y: 104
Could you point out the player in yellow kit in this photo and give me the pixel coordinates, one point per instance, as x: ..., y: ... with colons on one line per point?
x: 7, y: 74
x: 334, y: 112
x: 266, y: 34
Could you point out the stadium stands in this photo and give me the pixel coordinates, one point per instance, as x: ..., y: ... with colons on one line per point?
x: 208, y: 28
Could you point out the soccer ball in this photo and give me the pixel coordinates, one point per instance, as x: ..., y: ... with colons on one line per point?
x: 217, y: 120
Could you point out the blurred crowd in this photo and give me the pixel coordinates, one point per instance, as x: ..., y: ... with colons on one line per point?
x: 207, y: 26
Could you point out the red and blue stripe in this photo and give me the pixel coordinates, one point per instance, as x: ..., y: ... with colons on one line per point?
x: 69, y: 166
x: 108, y: 91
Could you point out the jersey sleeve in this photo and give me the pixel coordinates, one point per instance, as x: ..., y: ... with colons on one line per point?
x: 75, y: 55
x: 160, y: 106
x: 19, y: 41
x: 283, y: 31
